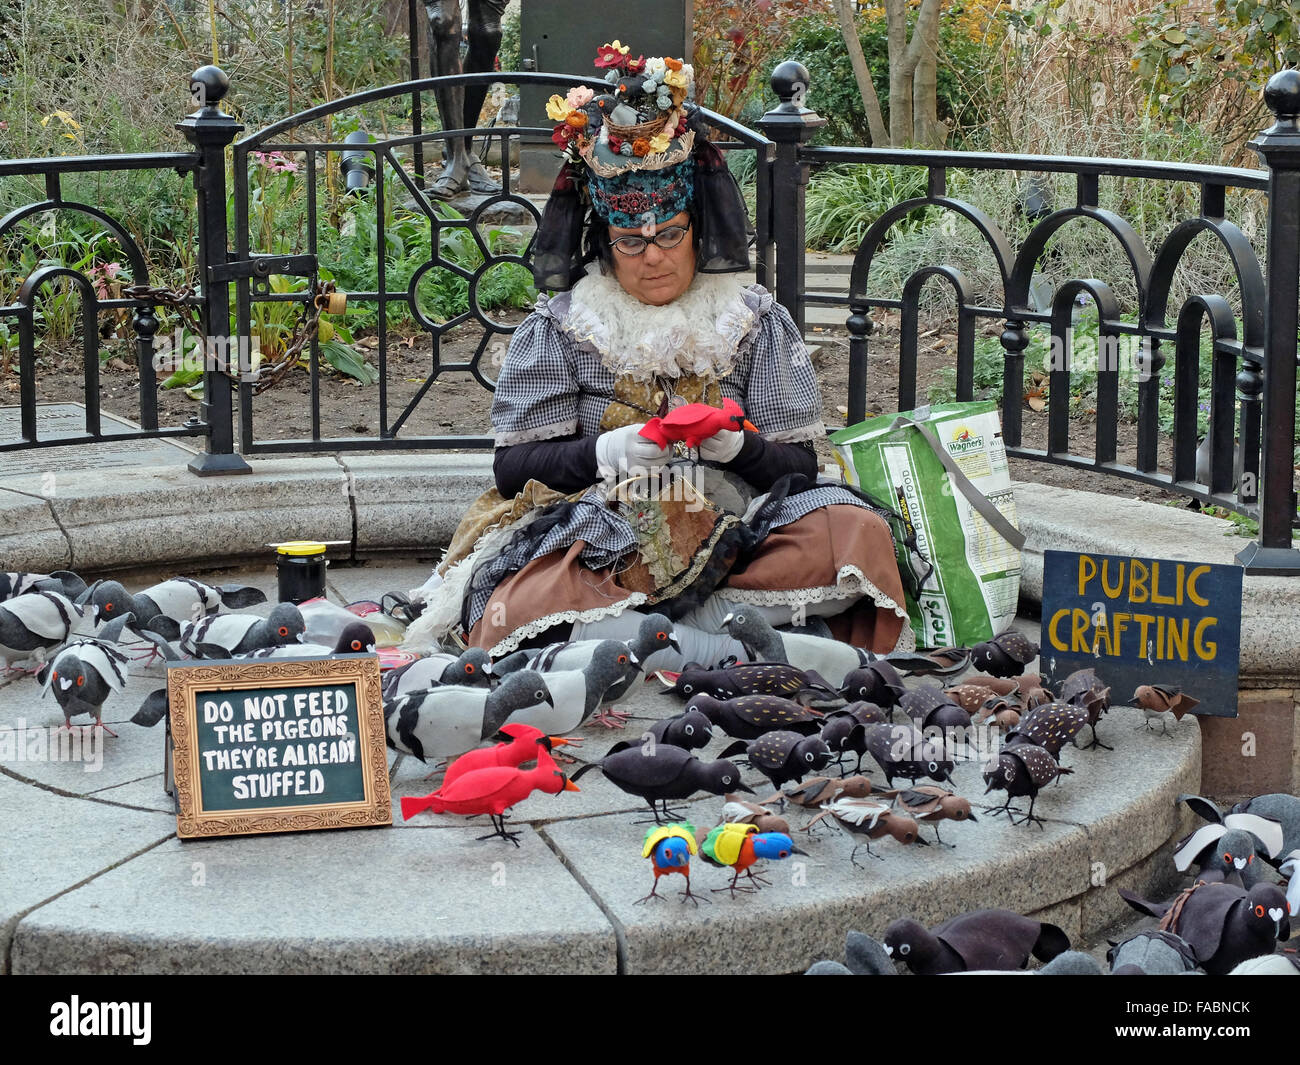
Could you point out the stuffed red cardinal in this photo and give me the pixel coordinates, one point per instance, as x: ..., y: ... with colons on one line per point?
x: 492, y: 792
x: 521, y: 747
x: 695, y: 422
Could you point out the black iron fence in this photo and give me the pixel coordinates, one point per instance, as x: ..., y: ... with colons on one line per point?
x: 1253, y: 365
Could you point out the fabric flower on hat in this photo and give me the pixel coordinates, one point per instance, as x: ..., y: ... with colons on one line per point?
x: 675, y: 78
x: 558, y: 109
x: 612, y: 55
x: 659, y: 143
x: 579, y: 96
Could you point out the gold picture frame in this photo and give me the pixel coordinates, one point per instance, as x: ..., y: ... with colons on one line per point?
x: 200, y: 819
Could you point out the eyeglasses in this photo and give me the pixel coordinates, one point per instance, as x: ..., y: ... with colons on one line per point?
x: 666, y: 238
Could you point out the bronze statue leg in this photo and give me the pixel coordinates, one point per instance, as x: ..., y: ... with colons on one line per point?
x: 484, y: 33
x: 459, y: 106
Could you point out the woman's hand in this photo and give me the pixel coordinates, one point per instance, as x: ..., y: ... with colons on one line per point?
x: 624, y: 452
x: 722, y: 446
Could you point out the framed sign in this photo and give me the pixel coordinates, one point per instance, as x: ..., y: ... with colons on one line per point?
x: 281, y: 745
x: 1144, y: 621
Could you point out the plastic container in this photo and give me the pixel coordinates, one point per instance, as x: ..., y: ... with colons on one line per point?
x: 300, y: 569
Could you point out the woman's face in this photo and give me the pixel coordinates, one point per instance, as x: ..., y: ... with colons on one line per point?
x: 658, y: 275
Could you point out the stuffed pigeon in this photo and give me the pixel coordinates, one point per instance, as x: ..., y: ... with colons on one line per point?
x: 32, y: 623
x: 1222, y: 923
x: 164, y: 608
x: 447, y: 721
x: 829, y: 659
x: 472, y: 668
x: 84, y: 673
x: 579, y: 693
x: 227, y: 635
x: 63, y: 581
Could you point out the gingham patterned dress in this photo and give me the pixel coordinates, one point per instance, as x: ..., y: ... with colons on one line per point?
x: 556, y: 380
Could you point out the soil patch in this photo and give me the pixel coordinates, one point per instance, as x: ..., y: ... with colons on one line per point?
x: 457, y: 404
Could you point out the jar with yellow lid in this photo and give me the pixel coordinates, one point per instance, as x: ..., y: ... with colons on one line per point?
x: 300, y: 569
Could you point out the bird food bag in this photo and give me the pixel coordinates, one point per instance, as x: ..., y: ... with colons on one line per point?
x: 917, y: 461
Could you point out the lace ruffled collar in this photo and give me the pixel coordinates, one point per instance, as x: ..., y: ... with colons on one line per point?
x: 702, y: 332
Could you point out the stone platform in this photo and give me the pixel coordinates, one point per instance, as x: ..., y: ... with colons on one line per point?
x: 94, y: 880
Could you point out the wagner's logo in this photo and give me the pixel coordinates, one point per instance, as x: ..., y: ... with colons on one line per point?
x: 132, y: 1019
x: 964, y: 440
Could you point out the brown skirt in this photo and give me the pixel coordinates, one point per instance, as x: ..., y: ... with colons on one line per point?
x: 832, y: 553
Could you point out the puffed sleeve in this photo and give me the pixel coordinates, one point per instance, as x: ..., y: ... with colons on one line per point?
x: 782, y: 396
x: 537, y: 391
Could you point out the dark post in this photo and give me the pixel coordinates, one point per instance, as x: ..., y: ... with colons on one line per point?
x: 210, y: 130
x: 790, y: 125
x: 1279, y: 146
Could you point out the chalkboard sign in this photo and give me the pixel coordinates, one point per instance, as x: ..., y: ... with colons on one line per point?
x: 1144, y: 621
x: 282, y: 745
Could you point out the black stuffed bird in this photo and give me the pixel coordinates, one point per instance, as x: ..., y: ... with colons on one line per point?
x: 747, y: 717
x: 1022, y: 770
x: 1222, y: 923
x: 664, y: 772
x: 783, y: 756
x: 983, y: 939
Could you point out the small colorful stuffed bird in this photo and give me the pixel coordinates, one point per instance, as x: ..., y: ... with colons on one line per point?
x: 737, y: 847
x: 669, y: 848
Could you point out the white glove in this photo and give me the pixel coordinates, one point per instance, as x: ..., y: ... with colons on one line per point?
x: 624, y: 452
x: 722, y: 446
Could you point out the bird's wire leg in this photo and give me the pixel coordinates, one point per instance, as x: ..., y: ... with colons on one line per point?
x: 951, y: 846
x: 1096, y: 742
x: 1005, y: 808
x: 101, y: 725
x: 654, y: 894
x: 755, y: 876
x: 732, y: 886
x: 1030, y: 816
x: 654, y: 810
x: 499, y: 821
x: 689, y: 894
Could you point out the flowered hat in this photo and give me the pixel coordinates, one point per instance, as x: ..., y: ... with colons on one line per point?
x: 636, y: 154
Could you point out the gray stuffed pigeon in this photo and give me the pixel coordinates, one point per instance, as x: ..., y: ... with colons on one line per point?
x: 32, y: 623
x: 84, y: 673
x: 447, y: 721
x: 830, y: 659
x: 472, y: 668
x: 227, y: 635
x: 579, y: 693
x: 165, y: 607
x: 63, y: 581
x: 1226, y: 835
x: 1151, y: 952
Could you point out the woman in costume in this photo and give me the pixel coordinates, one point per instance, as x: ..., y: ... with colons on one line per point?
x: 592, y: 523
